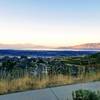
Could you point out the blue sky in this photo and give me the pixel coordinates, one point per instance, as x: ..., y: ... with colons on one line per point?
x: 49, y: 22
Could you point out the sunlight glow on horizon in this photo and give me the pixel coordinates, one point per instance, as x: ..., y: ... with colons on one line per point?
x: 48, y: 26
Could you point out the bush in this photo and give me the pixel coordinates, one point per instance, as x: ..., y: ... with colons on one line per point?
x: 85, y: 95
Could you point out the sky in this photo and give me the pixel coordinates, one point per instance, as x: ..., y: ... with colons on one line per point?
x: 49, y: 22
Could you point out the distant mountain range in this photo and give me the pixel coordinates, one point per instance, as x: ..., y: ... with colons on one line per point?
x: 22, y: 46
x: 87, y: 46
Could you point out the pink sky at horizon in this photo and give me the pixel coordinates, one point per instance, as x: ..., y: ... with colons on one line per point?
x: 53, y: 23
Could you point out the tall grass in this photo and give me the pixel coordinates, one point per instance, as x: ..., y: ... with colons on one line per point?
x: 29, y: 82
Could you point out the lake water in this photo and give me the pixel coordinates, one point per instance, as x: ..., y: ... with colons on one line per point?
x: 44, y: 53
x: 57, y: 93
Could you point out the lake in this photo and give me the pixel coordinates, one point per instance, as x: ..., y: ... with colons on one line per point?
x: 44, y: 53
x: 56, y: 93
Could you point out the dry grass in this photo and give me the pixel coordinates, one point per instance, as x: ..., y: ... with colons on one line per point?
x: 92, y: 76
x: 3, y: 87
x: 59, y: 80
x: 27, y: 82
x: 21, y: 84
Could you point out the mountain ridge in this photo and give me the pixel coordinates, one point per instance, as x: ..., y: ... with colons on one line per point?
x: 86, y: 46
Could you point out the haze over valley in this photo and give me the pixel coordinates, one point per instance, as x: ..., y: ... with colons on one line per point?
x: 87, y: 46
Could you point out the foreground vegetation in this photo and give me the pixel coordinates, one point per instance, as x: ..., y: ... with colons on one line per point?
x: 27, y: 83
x: 86, y: 95
x: 39, y: 73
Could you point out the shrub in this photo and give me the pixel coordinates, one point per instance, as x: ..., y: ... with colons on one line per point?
x: 85, y: 95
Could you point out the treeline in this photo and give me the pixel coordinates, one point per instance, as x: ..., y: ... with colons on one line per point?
x: 73, y: 66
